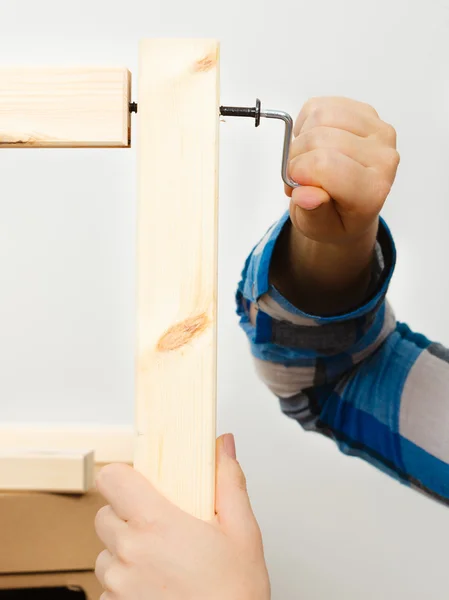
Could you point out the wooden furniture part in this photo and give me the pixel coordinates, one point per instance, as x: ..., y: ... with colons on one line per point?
x: 110, y: 443
x: 178, y: 116
x: 59, y: 107
x: 47, y: 471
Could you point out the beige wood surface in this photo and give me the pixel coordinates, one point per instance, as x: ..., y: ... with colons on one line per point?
x: 110, y: 443
x: 64, y: 107
x: 47, y: 470
x: 177, y: 269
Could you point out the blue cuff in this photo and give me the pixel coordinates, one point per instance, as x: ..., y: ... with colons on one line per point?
x: 255, y: 279
x: 254, y: 282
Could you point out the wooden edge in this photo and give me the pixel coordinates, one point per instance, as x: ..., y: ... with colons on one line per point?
x: 58, y: 471
x: 177, y: 238
x: 65, y: 107
x: 110, y: 444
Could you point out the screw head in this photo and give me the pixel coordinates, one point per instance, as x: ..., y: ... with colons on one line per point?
x: 257, y: 115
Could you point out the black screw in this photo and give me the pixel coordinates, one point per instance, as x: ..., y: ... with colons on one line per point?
x: 240, y: 111
x: 133, y: 107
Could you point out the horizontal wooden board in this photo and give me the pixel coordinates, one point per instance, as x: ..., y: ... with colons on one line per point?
x: 47, y: 470
x: 110, y: 443
x: 64, y: 107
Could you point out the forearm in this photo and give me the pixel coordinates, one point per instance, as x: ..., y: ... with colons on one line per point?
x: 359, y: 377
x: 322, y: 278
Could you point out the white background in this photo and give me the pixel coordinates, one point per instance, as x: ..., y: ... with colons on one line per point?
x: 334, y: 528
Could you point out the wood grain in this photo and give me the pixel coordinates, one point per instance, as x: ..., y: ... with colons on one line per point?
x: 73, y: 107
x: 47, y: 471
x: 177, y: 269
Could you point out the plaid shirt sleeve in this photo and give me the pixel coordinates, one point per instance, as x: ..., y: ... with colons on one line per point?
x: 378, y: 389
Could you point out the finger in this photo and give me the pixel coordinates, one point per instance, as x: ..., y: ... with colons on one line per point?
x: 344, y: 179
x: 103, y: 563
x: 131, y: 496
x: 327, y: 105
x: 310, y: 198
x: 109, y: 527
x: 233, y: 507
x: 341, y: 118
x: 288, y: 190
x: 324, y: 220
x: 366, y: 151
x: 116, y: 580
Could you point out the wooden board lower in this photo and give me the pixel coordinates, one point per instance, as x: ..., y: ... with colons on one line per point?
x: 47, y: 470
x: 64, y: 107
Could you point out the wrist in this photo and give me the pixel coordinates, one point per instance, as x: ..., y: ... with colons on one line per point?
x: 323, y: 278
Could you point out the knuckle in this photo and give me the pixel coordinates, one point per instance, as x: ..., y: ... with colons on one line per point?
x: 321, y: 160
x: 113, y: 579
x: 101, y: 558
x: 124, y: 548
x: 319, y: 114
x: 391, y: 159
x: 371, y: 109
x: 104, y: 475
x: 389, y: 133
x: 102, y: 564
x: 143, y: 524
x: 311, y: 103
x: 313, y: 139
x: 101, y: 515
x: 294, y: 168
x: 97, y: 569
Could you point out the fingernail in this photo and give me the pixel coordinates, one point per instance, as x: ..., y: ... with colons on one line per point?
x: 229, y: 445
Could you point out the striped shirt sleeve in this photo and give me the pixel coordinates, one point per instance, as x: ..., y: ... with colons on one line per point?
x: 367, y: 381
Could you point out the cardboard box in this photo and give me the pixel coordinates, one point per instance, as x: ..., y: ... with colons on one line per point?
x: 48, y: 532
x: 85, y: 581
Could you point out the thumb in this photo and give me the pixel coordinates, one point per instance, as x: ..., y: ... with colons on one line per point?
x: 232, y: 503
x: 313, y: 213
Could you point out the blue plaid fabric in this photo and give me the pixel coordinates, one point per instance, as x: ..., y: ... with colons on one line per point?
x: 365, y: 380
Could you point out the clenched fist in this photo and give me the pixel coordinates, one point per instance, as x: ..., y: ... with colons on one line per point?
x: 345, y: 158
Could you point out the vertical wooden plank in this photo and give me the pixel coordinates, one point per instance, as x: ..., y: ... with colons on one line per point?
x: 177, y: 269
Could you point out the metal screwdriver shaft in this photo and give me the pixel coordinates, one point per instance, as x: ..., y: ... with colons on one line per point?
x: 256, y: 113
